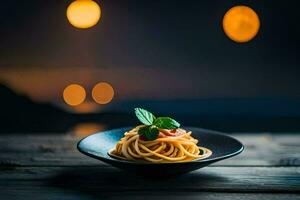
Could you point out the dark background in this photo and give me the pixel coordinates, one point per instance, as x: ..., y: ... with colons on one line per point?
x: 171, y: 57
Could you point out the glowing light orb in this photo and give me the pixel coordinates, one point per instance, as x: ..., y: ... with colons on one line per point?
x: 103, y: 93
x: 74, y: 94
x: 241, y: 23
x: 83, y: 13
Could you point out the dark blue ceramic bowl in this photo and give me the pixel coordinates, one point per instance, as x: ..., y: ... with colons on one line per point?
x: 222, y: 146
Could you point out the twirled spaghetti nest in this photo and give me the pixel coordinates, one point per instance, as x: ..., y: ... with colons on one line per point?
x: 176, y: 148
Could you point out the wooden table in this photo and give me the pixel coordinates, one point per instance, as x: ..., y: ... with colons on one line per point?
x: 48, y: 166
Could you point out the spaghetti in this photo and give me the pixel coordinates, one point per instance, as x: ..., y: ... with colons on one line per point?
x: 171, y: 146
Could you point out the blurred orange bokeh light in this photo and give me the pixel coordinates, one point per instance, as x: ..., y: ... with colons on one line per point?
x: 83, y: 13
x: 241, y: 23
x: 85, y: 129
x: 103, y: 93
x: 74, y: 94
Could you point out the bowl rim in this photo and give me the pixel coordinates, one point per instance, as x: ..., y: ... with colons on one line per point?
x: 112, y: 159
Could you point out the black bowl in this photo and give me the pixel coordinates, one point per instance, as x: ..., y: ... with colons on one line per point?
x: 222, y: 146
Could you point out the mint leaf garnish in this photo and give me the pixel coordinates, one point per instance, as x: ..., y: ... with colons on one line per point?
x: 166, y: 123
x: 150, y: 132
x: 153, y: 124
x: 144, y: 116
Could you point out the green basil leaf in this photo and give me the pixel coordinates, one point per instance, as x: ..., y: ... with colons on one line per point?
x: 166, y: 123
x: 144, y: 116
x: 143, y: 130
x: 150, y: 132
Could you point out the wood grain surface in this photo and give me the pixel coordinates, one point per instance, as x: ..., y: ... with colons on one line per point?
x: 49, y: 166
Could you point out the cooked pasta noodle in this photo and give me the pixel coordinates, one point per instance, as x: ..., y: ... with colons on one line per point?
x: 170, y: 146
